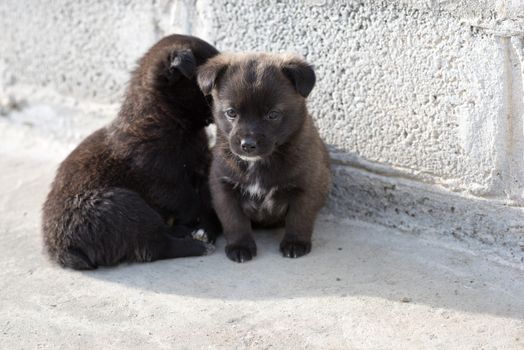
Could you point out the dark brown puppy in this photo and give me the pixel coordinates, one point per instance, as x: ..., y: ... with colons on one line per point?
x: 113, y: 195
x: 270, y: 166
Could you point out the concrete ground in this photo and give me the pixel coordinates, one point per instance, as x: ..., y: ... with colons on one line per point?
x: 363, y: 286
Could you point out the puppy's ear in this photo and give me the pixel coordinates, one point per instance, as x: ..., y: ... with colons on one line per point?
x: 301, y: 75
x: 209, y: 73
x: 182, y: 61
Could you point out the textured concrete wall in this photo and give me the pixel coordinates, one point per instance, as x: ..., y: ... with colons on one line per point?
x: 82, y: 49
x: 412, y: 87
x: 417, y: 99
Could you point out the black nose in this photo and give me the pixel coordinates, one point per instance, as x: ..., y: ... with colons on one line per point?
x: 248, y: 145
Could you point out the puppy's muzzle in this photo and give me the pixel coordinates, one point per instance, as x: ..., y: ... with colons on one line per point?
x: 248, y: 145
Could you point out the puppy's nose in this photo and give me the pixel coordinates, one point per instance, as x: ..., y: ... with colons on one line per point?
x: 248, y: 145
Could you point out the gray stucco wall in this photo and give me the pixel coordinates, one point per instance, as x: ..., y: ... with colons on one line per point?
x: 421, y: 102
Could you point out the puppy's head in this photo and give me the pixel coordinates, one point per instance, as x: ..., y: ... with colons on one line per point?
x: 169, y: 68
x: 258, y: 99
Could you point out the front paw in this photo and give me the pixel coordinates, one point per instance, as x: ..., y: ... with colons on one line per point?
x: 294, y: 249
x: 241, y: 252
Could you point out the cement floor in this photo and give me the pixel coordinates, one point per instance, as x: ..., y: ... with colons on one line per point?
x: 363, y: 286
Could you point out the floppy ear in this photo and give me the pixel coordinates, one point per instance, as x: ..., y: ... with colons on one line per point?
x: 209, y: 73
x: 301, y: 75
x: 182, y: 61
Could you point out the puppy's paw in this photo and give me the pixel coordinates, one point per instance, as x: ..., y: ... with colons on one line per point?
x: 209, y: 248
x: 241, y: 253
x: 294, y: 249
x: 200, y: 235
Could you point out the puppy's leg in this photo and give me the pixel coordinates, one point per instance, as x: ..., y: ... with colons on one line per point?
x: 236, y: 225
x: 195, y: 232
x: 183, y: 212
x: 147, y: 235
x: 300, y: 221
x: 166, y: 246
x: 107, y: 226
x: 193, y: 215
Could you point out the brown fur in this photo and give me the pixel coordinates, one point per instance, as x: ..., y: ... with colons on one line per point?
x: 270, y: 166
x: 113, y: 195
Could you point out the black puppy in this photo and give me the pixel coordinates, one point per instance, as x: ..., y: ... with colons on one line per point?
x: 114, y: 194
x: 270, y: 166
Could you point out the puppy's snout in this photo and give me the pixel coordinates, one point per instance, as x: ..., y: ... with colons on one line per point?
x: 248, y: 145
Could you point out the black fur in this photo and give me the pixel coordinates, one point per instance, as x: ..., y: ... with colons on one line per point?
x: 270, y: 166
x: 114, y: 195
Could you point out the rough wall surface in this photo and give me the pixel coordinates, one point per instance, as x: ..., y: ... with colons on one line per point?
x: 428, y: 93
x: 79, y: 48
x: 401, y: 85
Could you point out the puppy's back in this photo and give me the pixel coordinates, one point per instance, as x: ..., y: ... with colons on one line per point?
x: 96, y: 212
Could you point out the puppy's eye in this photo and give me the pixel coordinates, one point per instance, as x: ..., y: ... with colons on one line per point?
x: 231, y: 113
x: 273, y: 115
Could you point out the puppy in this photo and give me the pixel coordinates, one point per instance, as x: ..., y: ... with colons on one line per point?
x: 270, y: 166
x: 114, y: 194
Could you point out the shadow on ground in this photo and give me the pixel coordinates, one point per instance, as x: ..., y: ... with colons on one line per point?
x: 348, y: 259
